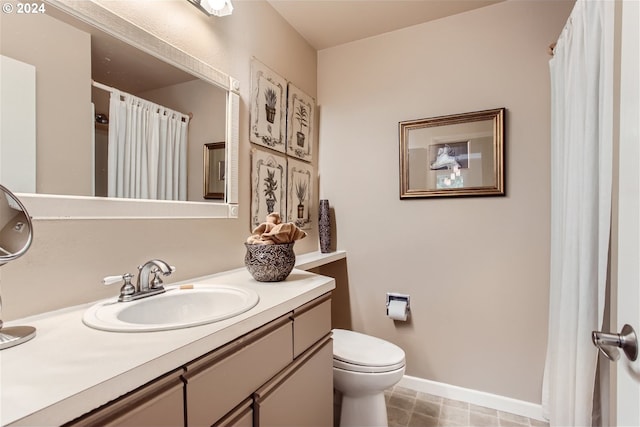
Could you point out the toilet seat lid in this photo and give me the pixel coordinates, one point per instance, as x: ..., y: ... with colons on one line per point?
x: 364, y: 350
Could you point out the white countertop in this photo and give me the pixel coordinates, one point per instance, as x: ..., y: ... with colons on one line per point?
x: 69, y: 369
x: 316, y: 259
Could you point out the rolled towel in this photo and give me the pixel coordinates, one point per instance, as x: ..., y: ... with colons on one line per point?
x: 274, y: 231
x: 273, y: 219
x: 284, y: 233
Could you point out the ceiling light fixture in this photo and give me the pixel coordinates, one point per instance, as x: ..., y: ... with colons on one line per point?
x: 214, y: 7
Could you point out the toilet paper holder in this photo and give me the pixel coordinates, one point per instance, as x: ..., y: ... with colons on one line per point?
x: 394, y: 296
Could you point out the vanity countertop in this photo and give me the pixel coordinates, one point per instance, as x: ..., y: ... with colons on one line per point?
x: 69, y: 369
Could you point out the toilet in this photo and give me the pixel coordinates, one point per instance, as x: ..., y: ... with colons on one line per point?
x: 363, y: 368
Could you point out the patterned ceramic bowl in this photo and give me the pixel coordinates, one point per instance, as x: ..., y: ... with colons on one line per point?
x: 270, y: 263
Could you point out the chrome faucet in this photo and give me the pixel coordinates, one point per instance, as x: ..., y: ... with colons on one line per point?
x: 149, y: 281
x: 155, y: 266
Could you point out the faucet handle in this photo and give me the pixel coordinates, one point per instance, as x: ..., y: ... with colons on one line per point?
x: 110, y: 280
x: 156, y: 283
x: 127, y: 289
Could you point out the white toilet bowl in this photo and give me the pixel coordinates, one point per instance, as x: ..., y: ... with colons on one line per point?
x: 363, y: 368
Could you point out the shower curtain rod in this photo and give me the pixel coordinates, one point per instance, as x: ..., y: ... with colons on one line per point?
x: 113, y: 89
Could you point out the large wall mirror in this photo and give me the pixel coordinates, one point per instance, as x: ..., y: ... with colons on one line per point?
x: 68, y: 64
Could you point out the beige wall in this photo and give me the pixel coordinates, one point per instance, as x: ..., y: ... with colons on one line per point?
x: 68, y: 259
x: 476, y: 268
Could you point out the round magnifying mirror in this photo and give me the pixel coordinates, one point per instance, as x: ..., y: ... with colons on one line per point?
x: 15, y: 227
x: 16, y: 235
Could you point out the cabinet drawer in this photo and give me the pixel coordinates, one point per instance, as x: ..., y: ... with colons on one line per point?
x: 302, y: 395
x: 311, y: 322
x: 219, y: 382
x: 160, y: 403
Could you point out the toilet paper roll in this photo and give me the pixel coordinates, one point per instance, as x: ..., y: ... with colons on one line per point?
x: 397, y: 310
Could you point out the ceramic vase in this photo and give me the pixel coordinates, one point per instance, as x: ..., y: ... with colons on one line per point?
x: 324, y: 226
x: 270, y: 263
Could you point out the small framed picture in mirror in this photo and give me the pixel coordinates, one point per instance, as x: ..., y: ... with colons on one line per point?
x: 455, y: 155
x: 214, y: 170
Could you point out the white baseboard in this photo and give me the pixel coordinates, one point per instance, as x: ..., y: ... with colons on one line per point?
x: 480, y: 398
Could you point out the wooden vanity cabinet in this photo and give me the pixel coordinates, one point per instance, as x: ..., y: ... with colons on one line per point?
x: 280, y: 374
x: 286, y: 367
x: 311, y: 322
x: 302, y: 394
x: 241, y: 416
x: 157, y: 404
x: 218, y: 382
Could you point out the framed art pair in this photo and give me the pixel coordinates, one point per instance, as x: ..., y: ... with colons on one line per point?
x: 282, y: 115
x: 280, y: 184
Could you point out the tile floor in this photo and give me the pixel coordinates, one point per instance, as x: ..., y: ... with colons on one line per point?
x: 408, y: 408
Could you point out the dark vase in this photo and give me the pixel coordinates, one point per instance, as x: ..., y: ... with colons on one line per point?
x: 324, y: 226
x: 301, y: 211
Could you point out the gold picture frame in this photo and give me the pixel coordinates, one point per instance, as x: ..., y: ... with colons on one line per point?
x: 454, y: 155
x: 214, y: 170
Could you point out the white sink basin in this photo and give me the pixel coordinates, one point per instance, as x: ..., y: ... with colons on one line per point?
x: 179, y: 307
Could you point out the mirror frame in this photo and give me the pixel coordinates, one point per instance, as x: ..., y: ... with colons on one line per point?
x: 48, y: 206
x: 496, y: 186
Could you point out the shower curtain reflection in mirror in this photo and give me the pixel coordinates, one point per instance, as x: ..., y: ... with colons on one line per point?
x: 147, y: 155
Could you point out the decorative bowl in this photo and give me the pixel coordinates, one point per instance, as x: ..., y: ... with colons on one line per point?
x: 270, y: 263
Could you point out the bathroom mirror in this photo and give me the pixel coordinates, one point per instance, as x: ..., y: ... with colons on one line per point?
x: 214, y: 170
x: 455, y: 155
x: 66, y: 186
x: 16, y: 235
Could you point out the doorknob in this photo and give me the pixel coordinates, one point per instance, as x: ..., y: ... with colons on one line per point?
x: 626, y: 340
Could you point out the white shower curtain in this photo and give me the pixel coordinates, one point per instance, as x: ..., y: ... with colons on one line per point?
x: 581, y: 176
x: 147, y: 150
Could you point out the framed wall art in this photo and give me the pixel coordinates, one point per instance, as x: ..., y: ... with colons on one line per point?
x: 301, y: 110
x: 268, y: 107
x: 299, y: 193
x: 268, y: 185
x: 455, y: 155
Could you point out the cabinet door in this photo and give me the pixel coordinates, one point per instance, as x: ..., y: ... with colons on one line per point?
x: 302, y: 395
x: 242, y: 416
x: 219, y: 382
x: 157, y: 404
x: 311, y: 322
